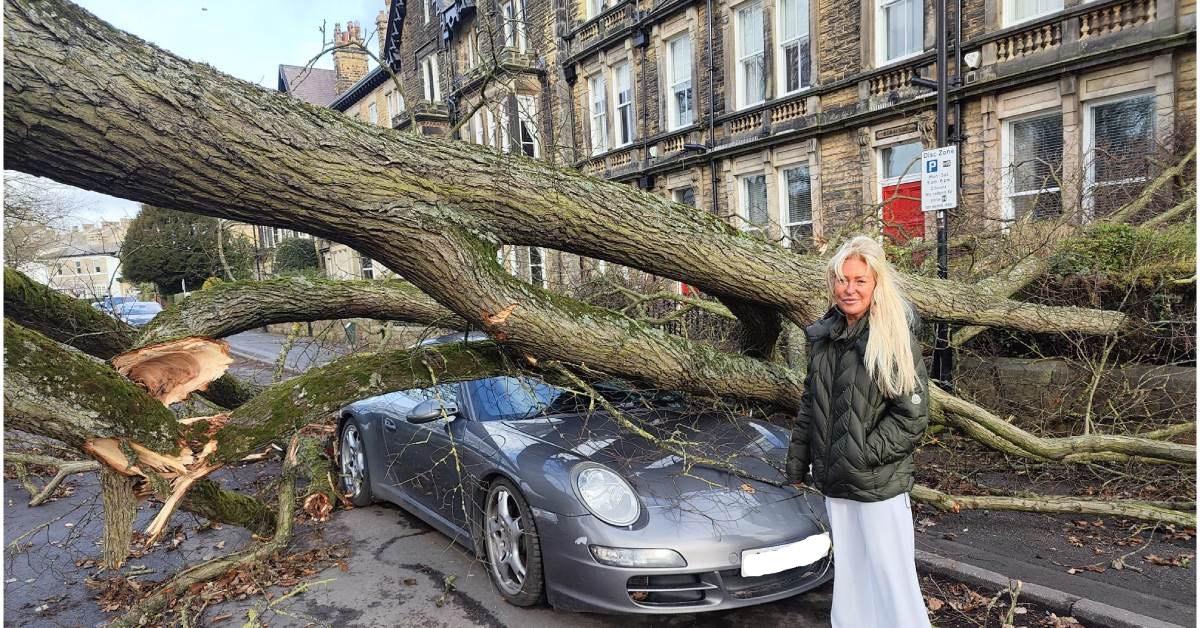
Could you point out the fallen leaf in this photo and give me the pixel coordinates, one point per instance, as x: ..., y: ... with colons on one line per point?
x: 746, y: 488
x: 935, y: 604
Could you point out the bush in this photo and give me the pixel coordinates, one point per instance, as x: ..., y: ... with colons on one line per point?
x: 294, y: 256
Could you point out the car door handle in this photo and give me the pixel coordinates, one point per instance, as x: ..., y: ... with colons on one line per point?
x: 389, y: 425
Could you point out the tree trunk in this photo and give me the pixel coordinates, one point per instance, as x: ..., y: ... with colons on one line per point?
x: 78, y: 111
x: 120, y: 508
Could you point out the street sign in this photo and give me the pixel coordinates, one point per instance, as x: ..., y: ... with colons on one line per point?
x: 939, y: 178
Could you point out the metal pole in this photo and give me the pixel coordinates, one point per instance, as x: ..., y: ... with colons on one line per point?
x: 942, y: 357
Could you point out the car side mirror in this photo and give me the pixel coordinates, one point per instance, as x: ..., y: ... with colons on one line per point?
x: 431, y: 410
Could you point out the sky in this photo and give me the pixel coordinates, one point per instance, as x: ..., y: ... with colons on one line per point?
x: 247, y: 39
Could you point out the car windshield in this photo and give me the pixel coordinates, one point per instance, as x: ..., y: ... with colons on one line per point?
x: 145, y: 307
x: 511, y: 398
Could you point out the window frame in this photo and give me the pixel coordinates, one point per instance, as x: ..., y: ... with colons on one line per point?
x: 740, y: 58
x: 598, y: 86
x: 366, y: 267
x: 430, y: 78
x: 373, y: 114
x: 624, y: 112
x: 1089, y: 143
x: 1008, y: 11
x: 527, y: 118
x: 678, y: 193
x: 781, y: 69
x: 1008, y: 212
x: 881, y: 33
x: 785, y: 223
x: 745, y: 224
x: 512, y: 12
x: 542, y: 283
x: 674, y: 121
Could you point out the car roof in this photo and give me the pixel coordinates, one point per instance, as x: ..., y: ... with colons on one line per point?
x: 458, y: 336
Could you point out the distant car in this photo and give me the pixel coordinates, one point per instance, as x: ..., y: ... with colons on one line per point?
x: 108, y: 303
x: 137, y: 313
x: 567, y: 506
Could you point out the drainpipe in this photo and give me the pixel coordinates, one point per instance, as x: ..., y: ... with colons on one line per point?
x: 712, y: 109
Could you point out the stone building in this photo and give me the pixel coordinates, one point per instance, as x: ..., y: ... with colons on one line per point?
x: 801, y: 119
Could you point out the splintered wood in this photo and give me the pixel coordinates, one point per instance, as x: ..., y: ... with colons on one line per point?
x: 182, y: 471
x: 171, y: 371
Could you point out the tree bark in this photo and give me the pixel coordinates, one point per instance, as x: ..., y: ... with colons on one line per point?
x: 80, y: 110
x: 74, y: 323
x: 231, y: 308
x: 120, y: 508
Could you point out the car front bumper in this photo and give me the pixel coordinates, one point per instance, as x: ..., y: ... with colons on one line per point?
x: 711, y: 580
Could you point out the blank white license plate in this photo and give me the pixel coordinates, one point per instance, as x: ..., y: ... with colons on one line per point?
x: 766, y: 560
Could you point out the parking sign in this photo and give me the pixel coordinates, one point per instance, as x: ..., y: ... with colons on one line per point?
x: 939, y: 178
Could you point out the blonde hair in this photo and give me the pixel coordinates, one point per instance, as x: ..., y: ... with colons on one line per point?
x: 889, y: 357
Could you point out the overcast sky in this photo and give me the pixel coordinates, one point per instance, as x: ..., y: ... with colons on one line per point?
x: 245, y: 38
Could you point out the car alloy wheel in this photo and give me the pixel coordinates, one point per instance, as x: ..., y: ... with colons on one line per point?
x: 513, y: 551
x: 353, y: 463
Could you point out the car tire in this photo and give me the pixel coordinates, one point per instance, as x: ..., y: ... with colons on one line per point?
x: 505, y: 511
x: 354, y: 477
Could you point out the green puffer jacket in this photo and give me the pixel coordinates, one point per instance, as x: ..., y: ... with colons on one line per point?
x: 859, y: 442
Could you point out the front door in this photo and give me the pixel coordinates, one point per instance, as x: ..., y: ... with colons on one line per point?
x: 900, y: 192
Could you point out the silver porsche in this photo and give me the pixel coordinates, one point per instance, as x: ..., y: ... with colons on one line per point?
x: 567, y: 507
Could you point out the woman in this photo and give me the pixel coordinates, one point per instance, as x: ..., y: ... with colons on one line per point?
x: 864, y: 410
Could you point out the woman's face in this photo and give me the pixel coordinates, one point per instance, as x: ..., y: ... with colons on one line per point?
x: 854, y: 291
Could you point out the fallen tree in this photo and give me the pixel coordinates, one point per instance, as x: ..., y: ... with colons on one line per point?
x: 102, y: 110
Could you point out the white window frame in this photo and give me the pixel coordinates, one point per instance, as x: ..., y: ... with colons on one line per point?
x: 1008, y: 211
x: 541, y: 252
x: 513, y: 14
x: 677, y: 195
x: 1089, y: 144
x: 744, y: 222
x: 741, y: 57
x: 677, y: 84
x: 430, y: 78
x: 785, y: 198
x: 428, y: 10
x: 781, y: 50
x: 477, y: 128
x: 914, y: 173
x: 623, y: 110
x: 395, y: 104
x: 1009, y: 12
x: 594, y: 8
x: 502, y: 126
x: 366, y: 267
x: 598, y: 111
x: 881, y: 31
x: 527, y: 118
x: 372, y: 114
x: 490, y: 124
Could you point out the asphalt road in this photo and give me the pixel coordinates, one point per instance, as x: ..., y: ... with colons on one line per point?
x: 395, y: 573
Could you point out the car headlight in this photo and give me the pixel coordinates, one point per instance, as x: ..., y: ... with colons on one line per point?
x: 631, y: 557
x: 607, y: 495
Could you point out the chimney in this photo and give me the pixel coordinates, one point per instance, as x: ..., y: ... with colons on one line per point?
x: 349, y: 59
x: 381, y: 24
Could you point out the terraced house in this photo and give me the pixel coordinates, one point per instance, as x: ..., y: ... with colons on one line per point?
x: 795, y: 119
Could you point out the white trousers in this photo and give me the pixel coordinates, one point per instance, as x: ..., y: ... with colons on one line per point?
x: 875, y: 572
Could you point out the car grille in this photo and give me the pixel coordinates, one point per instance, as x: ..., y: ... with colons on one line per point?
x: 683, y: 590
x: 749, y: 588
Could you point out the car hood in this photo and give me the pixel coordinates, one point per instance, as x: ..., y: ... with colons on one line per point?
x: 756, y: 449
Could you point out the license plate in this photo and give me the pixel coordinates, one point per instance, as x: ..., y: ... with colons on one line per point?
x: 768, y: 560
